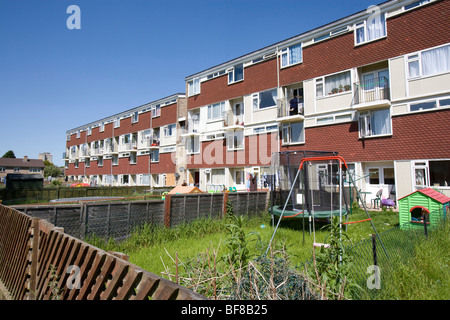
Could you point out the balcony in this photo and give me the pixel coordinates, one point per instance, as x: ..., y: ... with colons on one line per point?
x: 233, y: 121
x: 193, y: 127
x: 290, y: 109
x: 372, y: 93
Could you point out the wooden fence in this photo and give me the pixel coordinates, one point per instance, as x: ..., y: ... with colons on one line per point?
x: 118, y: 219
x: 38, y: 261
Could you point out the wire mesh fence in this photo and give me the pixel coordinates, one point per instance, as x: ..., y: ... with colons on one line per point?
x: 374, y: 260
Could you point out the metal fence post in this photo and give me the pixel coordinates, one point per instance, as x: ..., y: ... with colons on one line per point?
x: 374, y: 249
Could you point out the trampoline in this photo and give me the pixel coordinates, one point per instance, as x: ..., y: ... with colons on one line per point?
x: 318, y: 213
x: 312, y: 191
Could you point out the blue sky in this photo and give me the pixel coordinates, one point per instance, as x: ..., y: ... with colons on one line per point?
x: 127, y: 53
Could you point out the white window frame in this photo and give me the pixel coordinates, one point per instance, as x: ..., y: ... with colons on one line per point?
x: 240, y: 172
x: 156, y: 111
x: 286, y: 133
x: 194, y: 87
x: 170, y: 130
x: 191, y: 143
x: 154, y: 155
x: 323, y: 82
x: 135, y: 117
x: 117, y: 123
x: 256, y: 100
x: 415, y: 4
x: 367, y: 116
x: 232, y: 73
x: 416, y: 57
x: 363, y: 25
x: 210, y: 113
x: 232, y: 140
x: 437, y: 104
x: 287, y: 53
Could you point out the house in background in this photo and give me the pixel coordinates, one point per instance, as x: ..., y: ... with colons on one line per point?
x: 20, y: 166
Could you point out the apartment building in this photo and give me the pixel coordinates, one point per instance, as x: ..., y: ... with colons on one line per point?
x: 135, y: 147
x: 373, y: 86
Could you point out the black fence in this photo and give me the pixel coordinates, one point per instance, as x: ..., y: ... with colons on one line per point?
x: 119, y: 219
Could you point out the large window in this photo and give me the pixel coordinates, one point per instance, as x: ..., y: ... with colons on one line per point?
x: 371, y: 29
x: 194, y: 87
x: 156, y: 111
x: 235, y: 140
x: 375, y: 122
x: 293, y: 133
x: 429, y: 62
x: 154, y: 155
x: 336, y: 83
x: 170, y: 130
x: 291, y: 55
x: 236, y: 73
x: 193, y: 144
x: 265, y: 99
x: 431, y: 173
x: 216, y: 111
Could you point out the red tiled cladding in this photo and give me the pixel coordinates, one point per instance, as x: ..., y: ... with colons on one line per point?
x: 72, y: 171
x: 95, y: 169
x: 97, y: 135
x: 258, y: 77
x: 74, y: 141
x: 168, y: 116
x: 418, y: 136
x: 407, y: 32
x: 166, y: 164
x: 214, y: 154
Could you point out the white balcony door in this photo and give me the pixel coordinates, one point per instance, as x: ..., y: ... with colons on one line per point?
x: 374, y: 84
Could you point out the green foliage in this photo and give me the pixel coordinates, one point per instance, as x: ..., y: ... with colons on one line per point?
x: 9, y: 154
x: 238, y: 239
x: 51, y: 170
x: 332, y: 266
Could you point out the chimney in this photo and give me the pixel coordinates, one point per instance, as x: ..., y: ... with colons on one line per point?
x: 25, y: 158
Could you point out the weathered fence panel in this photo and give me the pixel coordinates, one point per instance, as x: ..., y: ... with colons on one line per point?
x: 118, y: 220
x: 39, y: 261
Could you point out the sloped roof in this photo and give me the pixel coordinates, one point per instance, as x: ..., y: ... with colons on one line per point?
x: 19, y: 162
x: 433, y: 194
x: 185, y: 189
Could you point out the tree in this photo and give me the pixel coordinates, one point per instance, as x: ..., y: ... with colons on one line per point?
x: 51, y: 170
x: 9, y: 154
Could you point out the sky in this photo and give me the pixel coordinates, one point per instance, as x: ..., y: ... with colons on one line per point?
x: 126, y: 53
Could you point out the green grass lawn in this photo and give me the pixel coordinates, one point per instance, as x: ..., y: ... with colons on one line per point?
x: 154, y: 249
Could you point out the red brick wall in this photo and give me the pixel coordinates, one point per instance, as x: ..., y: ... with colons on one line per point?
x: 411, y: 31
x: 407, y: 32
x: 257, y: 152
x: 417, y: 136
x: 257, y: 77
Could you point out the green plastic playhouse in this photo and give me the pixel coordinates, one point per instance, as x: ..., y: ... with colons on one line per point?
x: 426, y: 200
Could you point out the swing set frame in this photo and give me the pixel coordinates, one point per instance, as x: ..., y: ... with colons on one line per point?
x: 341, y: 163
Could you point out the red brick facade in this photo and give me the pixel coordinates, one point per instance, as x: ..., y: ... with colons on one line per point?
x: 415, y: 136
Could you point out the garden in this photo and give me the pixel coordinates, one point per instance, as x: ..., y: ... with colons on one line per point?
x: 231, y: 258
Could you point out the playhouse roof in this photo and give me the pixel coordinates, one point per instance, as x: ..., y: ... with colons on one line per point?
x: 185, y: 189
x: 433, y: 194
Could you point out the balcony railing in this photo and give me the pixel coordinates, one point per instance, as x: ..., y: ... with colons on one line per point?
x: 232, y: 119
x: 193, y: 126
x: 290, y: 107
x: 371, y: 90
